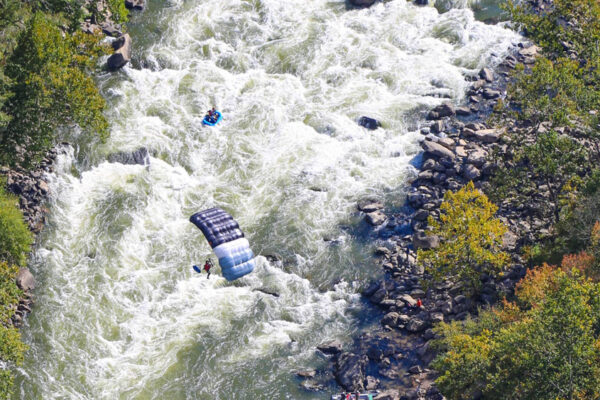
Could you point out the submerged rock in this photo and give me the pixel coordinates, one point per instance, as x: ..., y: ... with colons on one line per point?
x: 362, y: 3
x: 139, y: 156
x: 369, y: 123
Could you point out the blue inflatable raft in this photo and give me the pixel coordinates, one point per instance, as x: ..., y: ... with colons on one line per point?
x: 212, y: 122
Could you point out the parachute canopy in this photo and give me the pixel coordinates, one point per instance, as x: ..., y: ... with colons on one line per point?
x: 227, y: 241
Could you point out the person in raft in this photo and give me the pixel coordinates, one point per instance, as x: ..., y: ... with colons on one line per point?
x: 207, y: 266
x: 212, y: 115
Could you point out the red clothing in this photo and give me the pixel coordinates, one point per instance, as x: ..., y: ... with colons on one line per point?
x: 207, y: 267
x: 419, y: 303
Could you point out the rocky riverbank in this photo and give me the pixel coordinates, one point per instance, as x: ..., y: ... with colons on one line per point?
x: 30, y: 185
x: 457, y: 149
x: 31, y: 188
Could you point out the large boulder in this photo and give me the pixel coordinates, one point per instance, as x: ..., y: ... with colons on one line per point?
x: 436, y: 149
x: 423, y: 241
x: 134, y: 4
x: 376, y: 218
x: 441, y: 111
x: 350, y: 371
x: 486, y: 74
x: 25, y: 280
x: 331, y: 347
x: 122, y: 54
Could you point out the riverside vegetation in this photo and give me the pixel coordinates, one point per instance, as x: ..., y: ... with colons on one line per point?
x: 543, y: 342
x: 45, y: 86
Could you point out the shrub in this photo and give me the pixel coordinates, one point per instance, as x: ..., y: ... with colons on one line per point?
x: 15, y: 238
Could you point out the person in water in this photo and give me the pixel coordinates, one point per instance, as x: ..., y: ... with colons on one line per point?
x: 207, y: 266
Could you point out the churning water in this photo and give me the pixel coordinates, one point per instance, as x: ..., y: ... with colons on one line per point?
x: 120, y: 314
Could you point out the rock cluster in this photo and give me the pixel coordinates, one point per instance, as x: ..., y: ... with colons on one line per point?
x: 456, y: 149
x: 31, y: 188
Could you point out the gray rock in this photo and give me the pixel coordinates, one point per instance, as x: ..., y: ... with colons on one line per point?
x: 437, y: 126
x: 368, y: 206
x: 437, y: 317
x: 436, y: 150
x: 486, y: 74
x: 390, y: 394
x: 415, y: 369
x: 25, y: 280
x: 477, y: 157
x: 421, y: 215
x: 464, y: 111
x: 460, y: 299
x: 509, y: 240
x: 139, y: 156
x: 372, y: 383
x: 122, y: 55
x: 307, y: 373
x: 428, y: 164
x: 471, y: 173
x: 409, y: 300
x: 447, y: 143
x: 331, y: 347
x: 350, y: 371
x: 416, y: 325
x: 491, y: 93
x: 376, y: 218
x: 390, y: 319
x: 134, y: 4
x: 444, y: 110
x: 423, y: 241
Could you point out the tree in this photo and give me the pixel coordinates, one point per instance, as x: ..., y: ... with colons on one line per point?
x: 470, y: 239
x: 553, y: 91
x: 545, y: 346
x: 556, y: 160
x: 52, y: 88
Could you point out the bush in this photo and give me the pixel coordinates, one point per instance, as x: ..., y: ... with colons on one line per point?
x: 15, y: 238
x: 11, y: 346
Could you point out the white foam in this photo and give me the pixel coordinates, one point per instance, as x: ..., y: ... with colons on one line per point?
x: 120, y: 313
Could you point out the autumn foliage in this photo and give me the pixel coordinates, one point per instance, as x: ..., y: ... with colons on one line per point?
x: 470, y: 239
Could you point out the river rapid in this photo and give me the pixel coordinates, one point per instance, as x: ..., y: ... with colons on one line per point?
x: 120, y: 314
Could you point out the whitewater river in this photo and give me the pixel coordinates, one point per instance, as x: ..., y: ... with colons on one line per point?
x: 120, y: 314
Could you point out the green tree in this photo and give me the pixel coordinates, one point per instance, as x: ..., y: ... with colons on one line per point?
x: 556, y: 160
x: 470, y: 239
x: 545, y: 347
x: 52, y: 88
x: 15, y: 238
x: 554, y: 91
